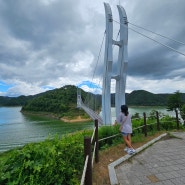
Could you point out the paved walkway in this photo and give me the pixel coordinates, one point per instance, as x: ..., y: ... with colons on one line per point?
x: 163, y: 163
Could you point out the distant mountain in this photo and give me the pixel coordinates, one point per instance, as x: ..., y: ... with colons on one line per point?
x: 64, y: 99
x: 145, y: 98
x: 15, y: 101
x: 141, y: 97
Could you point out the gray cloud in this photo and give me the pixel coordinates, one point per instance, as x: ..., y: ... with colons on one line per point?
x: 54, y: 43
x: 147, y: 58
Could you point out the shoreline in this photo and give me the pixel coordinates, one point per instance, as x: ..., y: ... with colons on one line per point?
x: 76, y: 120
x: 53, y: 116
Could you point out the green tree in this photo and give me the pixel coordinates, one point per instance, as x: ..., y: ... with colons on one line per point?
x: 175, y: 103
x: 183, y: 113
x: 152, y: 115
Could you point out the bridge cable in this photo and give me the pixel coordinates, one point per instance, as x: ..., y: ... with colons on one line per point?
x: 157, y: 33
x: 86, y: 99
x: 153, y: 39
x: 99, y: 54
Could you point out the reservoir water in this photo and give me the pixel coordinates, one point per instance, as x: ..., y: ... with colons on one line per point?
x: 141, y: 109
x: 16, y: 129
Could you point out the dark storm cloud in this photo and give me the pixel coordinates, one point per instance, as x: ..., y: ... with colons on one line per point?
x: 48, y: 31
x: 147, y: 58
x: 35, y: 22
x: 155, y: 64
x: 57, y: 42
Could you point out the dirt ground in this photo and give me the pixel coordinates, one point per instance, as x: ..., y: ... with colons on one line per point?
x: 100, y: 169
x: 77, y: 119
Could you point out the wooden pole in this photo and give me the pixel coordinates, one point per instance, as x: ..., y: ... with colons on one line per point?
x: 87, y: 151
x: 97, y: 142
x: 145, y: 126
x: 177, y: 118
x: 158, y: 124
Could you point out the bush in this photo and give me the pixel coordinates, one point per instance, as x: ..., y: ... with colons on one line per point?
x: 57, y: 161
x: 106, y: 131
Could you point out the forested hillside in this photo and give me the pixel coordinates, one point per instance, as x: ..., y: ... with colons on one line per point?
x: 144, y: 98
x: 64, y: 100
x: 15, y: 101
x: 56, y: 101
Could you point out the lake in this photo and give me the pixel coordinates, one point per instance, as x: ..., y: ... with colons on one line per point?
x: 16, y: 129
x: 141, y: 109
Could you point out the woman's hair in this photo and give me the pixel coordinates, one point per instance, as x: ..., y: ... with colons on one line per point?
x: 124, y: 109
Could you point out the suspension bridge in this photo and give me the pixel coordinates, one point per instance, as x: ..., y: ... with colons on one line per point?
x: 122, y: 63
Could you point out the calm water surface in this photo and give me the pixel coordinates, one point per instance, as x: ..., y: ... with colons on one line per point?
x: 142, y: 109
x: 17, y: 129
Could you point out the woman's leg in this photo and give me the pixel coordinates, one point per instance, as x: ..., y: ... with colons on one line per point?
x: 127, y: 141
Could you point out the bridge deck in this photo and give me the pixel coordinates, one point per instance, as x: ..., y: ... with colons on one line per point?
x: 91, y: 113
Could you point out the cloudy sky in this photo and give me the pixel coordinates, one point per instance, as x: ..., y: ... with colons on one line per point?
x: 46, y: 44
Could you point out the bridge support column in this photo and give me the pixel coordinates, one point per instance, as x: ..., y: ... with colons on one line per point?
x: 121, y: 64
x: 107, y: 71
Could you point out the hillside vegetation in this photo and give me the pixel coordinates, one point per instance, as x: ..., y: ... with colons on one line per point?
x: 58, y: 100
x: 14, y: 101
x: 63, y: 101
x: 145, y: 98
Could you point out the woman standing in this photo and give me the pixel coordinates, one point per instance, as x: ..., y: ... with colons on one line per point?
x: 124, y: 119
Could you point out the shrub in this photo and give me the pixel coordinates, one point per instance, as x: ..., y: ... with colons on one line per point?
x: 56, y: 161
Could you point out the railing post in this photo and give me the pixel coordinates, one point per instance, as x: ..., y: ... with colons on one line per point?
x: 145, y: 126
x: 177, y: 118
x: 87, y: 151
x: 158, y: 124
x: 97, y: 142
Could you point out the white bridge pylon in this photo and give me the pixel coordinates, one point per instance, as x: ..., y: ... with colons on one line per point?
x: 122, y: 64
x: 120, y: 76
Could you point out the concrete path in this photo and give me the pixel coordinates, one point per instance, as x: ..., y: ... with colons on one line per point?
x: 162, y: 163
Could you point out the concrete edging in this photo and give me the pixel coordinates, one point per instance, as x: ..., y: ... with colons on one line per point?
x: 111, y: 166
